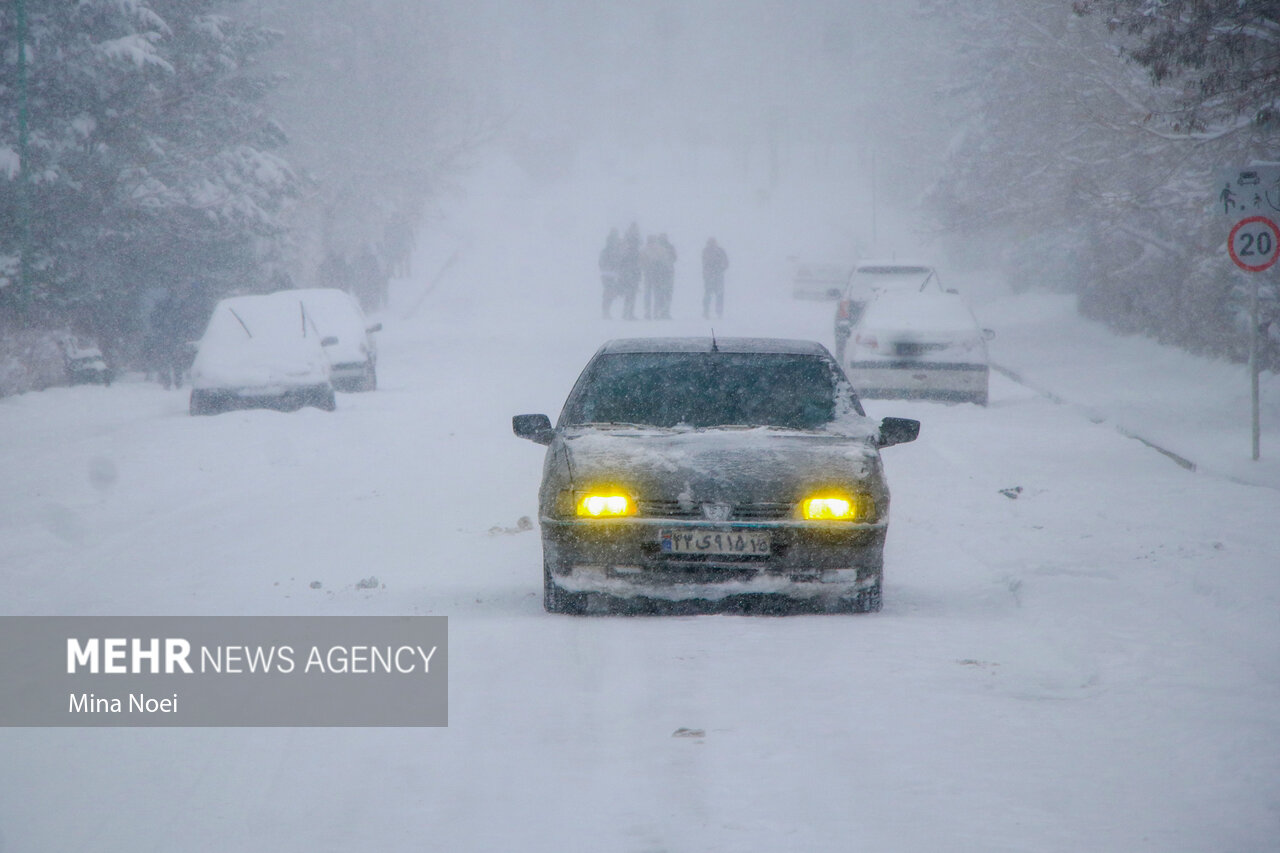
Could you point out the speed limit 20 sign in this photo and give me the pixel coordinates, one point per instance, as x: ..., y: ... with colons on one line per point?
x: 1254, y: 243
x: 1248, y: 201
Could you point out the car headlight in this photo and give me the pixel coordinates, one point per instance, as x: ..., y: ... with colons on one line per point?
x: 842, y: 507
x: 605, y: 503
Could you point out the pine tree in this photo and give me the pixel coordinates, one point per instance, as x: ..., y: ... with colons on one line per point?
x: 150, y: 161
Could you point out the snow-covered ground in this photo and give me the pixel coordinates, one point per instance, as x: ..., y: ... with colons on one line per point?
x: 1089, y: 663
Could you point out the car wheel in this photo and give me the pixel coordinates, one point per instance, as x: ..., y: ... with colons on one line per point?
x: 867, y: 601
x: 204, y: 403
x: 558, y: 600
x: 326, y: 400
x: 369, y: 381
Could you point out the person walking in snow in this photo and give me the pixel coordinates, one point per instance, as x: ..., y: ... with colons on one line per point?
x: 666, y: 283
x: 651, y: 261
x: 611, y: 271
x: 629, y: 273
x: 714, y: 263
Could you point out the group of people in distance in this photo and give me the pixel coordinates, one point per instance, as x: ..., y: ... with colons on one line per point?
x: 629, y: 268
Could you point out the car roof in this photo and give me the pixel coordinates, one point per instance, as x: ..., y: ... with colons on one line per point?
x: 909, y: 309
x: 735, y: 345
x: 887, y: 265
x: 327, y: 295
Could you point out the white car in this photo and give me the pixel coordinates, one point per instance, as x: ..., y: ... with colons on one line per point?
x: 873, y: 277
x: 819, y: 280
x: 920, y: 346
x: 353, y: 359
x: 260, y: 352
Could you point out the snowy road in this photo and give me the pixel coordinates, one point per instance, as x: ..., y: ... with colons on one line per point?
x: 1091, y: 664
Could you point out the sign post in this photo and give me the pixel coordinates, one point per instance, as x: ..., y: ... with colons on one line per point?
x: 1250, y: 199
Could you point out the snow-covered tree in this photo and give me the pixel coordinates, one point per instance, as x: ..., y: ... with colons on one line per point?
x: 1220, y: 57
x: 150, y: 162
x: 1093, y: 176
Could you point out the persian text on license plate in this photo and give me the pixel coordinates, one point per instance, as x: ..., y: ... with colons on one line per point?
x: 720, y: 542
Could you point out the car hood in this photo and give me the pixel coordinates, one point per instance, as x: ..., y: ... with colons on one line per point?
x: 722, y: 465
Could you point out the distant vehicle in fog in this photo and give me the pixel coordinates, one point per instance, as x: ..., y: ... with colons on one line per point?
x: 686, y: 473
x: 919, y: 346
x: 825, y: 281
x: 353, y: 358
x: 261, y: 352
x: 872, y: 277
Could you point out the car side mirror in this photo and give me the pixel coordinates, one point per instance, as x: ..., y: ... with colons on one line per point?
x: 376, y: 327
x: 536, y: 428
x: 988, y: 334
x: 898, y: 431
x: 330, y: 341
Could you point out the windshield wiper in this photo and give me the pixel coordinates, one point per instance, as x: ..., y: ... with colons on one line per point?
x: 242, y: 324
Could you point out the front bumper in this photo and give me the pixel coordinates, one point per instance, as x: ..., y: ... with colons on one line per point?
x: 623, y: 558
x: 286, y: 398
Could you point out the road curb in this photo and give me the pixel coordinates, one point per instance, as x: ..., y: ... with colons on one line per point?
x: 1096, y: 417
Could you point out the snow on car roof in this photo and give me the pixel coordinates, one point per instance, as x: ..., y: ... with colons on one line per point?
x: 912, y: 310
x: 761, y: 345
x: 889, y: 266
x: 334, y: 311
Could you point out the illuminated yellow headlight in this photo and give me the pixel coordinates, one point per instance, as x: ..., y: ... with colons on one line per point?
x: 837, y: 507
x: 606, y: 505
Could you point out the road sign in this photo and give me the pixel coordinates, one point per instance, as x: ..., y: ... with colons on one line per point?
x: 1254, y: 243
x: 1248, y: 199
x: 1250, y: 191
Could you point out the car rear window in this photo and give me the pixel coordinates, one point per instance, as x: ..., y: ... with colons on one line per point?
x: 669, y: 389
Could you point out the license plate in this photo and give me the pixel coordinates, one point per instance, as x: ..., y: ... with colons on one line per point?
x: 718, y: 542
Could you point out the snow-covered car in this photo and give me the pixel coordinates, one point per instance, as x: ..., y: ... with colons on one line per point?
x: 919, y: 346
x: 871, y: 278
x: 819, y: 280
x: 260, y: 352
x: 85, y: 364
x: 690, y: 473
x: 353, y: 359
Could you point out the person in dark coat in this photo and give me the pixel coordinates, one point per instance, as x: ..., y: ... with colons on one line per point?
x: 666, y: 279
x: 652, y: 258
x: 611, y: 271
x: 174, y: 321
x: 629, y: 274
x: 714, y: 263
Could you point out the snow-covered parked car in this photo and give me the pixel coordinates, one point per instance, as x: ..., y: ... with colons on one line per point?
x: 686, y: 473
x: 819, y: 280
x: 260, y: 352
x: 85, y: 364
x: 920, y: 346
x: 873, y: 277
x: 353, y: 359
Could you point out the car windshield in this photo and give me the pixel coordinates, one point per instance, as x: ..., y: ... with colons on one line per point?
x: 705, y: 389
x: 892, y: 277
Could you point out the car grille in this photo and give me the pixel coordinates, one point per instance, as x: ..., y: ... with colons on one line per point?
x: 758, y: 511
